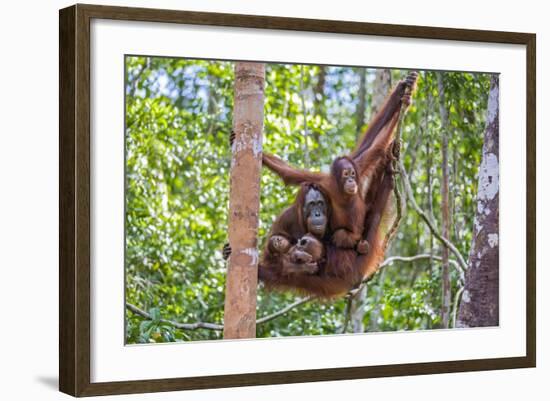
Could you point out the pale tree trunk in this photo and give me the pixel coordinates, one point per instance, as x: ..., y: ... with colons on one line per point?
x: 381, y: 89
x: 212, y: 104
x: 319, y: 90
x: 480, y: 302
x: 362, y: 101
x: 357, y: 310
x: 244, y: 201
x: 445, y: 273
x: 430, y: 195
x: 304, y: 116
x: 318, y: 99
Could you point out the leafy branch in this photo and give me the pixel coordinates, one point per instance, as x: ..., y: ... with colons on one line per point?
x: 219, y: 327
x: 427, y: 220
x: 177, y: 325
x: 213, y: 326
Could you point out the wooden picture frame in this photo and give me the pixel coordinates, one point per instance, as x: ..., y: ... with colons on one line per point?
x: 75, y: 201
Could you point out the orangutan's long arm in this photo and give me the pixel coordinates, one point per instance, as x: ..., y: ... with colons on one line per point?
x: 290, y: 175
x: 376, y: 156
x: 387, y: 112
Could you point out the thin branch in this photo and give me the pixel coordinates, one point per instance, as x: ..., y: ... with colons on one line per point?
x: 397, y: 194
x: 347, y: 314
x: 284, y: 310
x: 218, y: 327
x: 421, y: 256
x: 181, y: 326
x: 410, y: 196
x: 457, y: 300
x: 424, y: 216
x: 214, y: 326
x: 389, y: 261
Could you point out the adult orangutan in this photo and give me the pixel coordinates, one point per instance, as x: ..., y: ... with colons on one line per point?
x: 314, y: 267
x: 306, y: 218
x: 298, y: 256
x: 349, y: 181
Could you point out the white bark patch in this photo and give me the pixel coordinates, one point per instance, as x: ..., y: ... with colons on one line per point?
x: 480, y: 207
x: 478, y: 226
x: 488, y: 178
x: 492, y: 106
x: 466, y: 296
x: 257, y: 146
x: 247, y: 141
x: 493, y: 240
x: 253, y: 253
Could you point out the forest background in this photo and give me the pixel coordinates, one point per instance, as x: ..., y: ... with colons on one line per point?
x: 178, y: 119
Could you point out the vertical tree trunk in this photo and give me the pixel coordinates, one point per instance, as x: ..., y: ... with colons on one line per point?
x: 357, y: 310
x: 429, y: 169
x: 455, y: 224
x: 212, y: 103
x: 445, y: 274
x: 381, y: 89
x: 430, y: 196
x: 318, y: 99
x: 319, y: 90
x: 244, y: 201
x: 362, y: 101
x: 304, y: 116
x: 480, y: 302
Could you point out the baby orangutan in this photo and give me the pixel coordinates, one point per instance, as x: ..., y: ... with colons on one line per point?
x: 290, y: 248
x: 304, y: 257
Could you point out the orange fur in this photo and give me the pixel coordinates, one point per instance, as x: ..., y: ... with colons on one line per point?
x: 351, y: 217
x: 368, y: 159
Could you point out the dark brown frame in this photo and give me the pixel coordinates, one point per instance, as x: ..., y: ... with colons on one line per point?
x: 74, y: 199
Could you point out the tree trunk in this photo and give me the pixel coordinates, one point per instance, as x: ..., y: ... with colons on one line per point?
x: 357, y: 310
x: 304, y: 116
x: 430, y: 196
x: 244, y: 201
x: 480, y: 302
x: 319, y: 90
x: 362, y: 101
x: 381, y: 89
x: 445, y: 274
x: 318, y: 99
x: 212, y: 103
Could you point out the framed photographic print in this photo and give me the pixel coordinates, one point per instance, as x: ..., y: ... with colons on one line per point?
x: 250, y: 200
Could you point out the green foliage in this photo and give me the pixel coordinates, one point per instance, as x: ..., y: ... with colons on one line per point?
x: 178, y: 120
x: 177, y: 162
